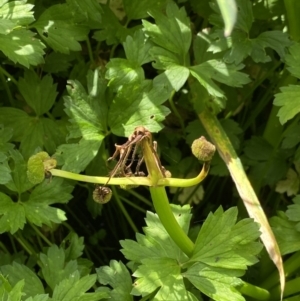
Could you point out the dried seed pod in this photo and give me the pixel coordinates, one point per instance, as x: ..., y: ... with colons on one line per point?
x: 202, y: 149
x: 102, y: 194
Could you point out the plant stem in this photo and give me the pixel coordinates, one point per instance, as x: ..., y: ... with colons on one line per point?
x: 124, y: 211
x: 140, y: 197
x: 41, y: 235
x: 175, y: 111
x: 8, y: 75
x: 161, y: 202
x: 125, y: 200
x: 146, y: 181
x: 8, y: 92
x: 166, y: 216
x: 27, y: 247
x: 90, y: 50
x: 101, y: 180
x: 254, y: 291
x: 292, y: 8
x: 292, y: 287
x: 173, y: 182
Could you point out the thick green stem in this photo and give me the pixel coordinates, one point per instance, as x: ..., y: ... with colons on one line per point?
x: 166, y: 216
x: 145, y: 181
x: 254, y: 291
x: 292, y: 8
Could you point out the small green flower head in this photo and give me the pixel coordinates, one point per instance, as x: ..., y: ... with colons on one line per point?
x: 38, y: 165
x: 102, y: 194
x: 202, y: 149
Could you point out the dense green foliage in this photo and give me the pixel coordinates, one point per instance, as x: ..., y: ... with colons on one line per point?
x: 76, y: 77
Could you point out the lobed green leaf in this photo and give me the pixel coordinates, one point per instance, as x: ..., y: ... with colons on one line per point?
x: 40, y: 94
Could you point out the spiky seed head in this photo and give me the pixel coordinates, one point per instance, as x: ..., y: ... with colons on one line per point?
x: 202, y: 149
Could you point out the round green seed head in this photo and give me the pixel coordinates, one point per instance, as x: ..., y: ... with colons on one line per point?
x: 102, y: 194
x: 202, y: 149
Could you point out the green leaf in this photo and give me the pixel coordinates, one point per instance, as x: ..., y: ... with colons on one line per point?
x: 17, y: 11
x: 40, y: 94
x: 206, y: 82
x: 57, y: 62
x: 56, y: 191
x: 160, y: 275
x: 12, y: 215
x: 76, y: 156
x: 5, y: 171
x: 75, y: 246
x: 177, y: 75
x: 157, y: 242
x: 16, y: 272
x: 60, y: 26
x: 123, y: 72
x: 293, y: 211
x: 91, y: 10
x: 171, y: 32
x: 275, y: 40
x: 11, y: 294
x: 40, y: 132
x: 290, y: 185
x: 287, y: 236
x: 87, y: 113
x: 293, y: 60
x: 137, y: 48
x: 84, y: 111
x: 221, y: 72
x: 37, y: 208
x: 240, y: 46
x: 6, y: 26
x: 95, y: 296
x: 73, y: 288
x: 289, y: 101
x: 113, y: 32
x: 217, y: 283
x: 5, y: 135
x: 267, y: 166
x: 138, y: 9
x: 291, y: 137
x: 139, y: 104
x: 20, y: 182
x: 117, y: 276
x: 5, y: 147
x: 16, y: 119
x: 21, y: 47
x: 223, y: 243
x: 42, y: 297
x: 54, y: 268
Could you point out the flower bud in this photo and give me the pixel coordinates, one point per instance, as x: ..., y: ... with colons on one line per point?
x: 202, y: 149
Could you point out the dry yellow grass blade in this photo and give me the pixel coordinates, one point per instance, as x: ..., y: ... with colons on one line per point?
x: 246, y: 192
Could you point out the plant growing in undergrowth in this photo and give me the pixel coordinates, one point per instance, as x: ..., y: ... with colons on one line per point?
x: 78, y: 75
